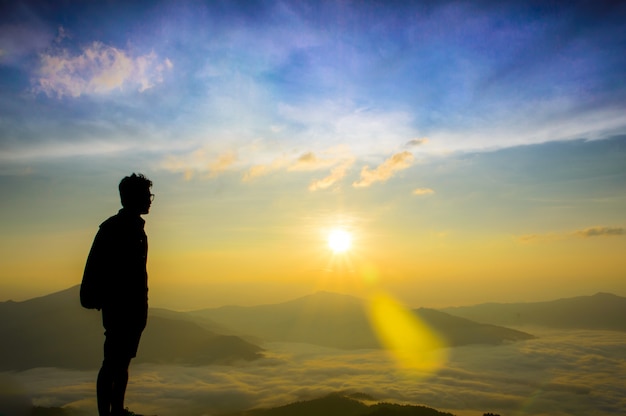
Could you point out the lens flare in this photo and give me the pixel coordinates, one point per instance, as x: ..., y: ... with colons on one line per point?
x: 412, y: 343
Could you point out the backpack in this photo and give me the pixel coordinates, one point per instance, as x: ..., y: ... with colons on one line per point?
x: 92, y: 285
x: 90, y: 291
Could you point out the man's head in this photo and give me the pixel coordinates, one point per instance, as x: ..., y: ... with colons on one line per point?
x: 135, y: 193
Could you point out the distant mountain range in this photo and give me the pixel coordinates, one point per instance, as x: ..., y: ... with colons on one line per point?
x: 340, y: 404
x: 334, y: 404
x: 55, y: 331
x: 341, y: 321
x: 600, y: 311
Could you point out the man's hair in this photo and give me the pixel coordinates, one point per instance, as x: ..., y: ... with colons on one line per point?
x: 132, y: 186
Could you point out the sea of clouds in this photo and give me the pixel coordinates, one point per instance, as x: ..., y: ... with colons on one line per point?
x: 560, y: 373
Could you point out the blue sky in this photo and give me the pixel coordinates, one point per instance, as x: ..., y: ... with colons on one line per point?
x: 472, y: 74
x: 264, y: 112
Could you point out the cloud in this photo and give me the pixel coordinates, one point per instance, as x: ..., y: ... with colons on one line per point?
x: 600, y: 232
x: 338, y: 159
x: 329, y: 120
x: 200, y: 161
x: 385, y: 171
x: 561, y: 371
x: 537, y: 238
x: 309, y: 161
x: 99, y: 69
x: 337, y: 173
x: 597, y: 231
x: 222, y: 163
x: 265, y: 169
x: 417, y: 142
x: 423, y: 191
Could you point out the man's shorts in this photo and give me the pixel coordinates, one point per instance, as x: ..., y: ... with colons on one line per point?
x: 121, y: 343
x: 122, y: 331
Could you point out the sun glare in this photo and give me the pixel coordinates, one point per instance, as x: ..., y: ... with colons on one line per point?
x: 339, y: 241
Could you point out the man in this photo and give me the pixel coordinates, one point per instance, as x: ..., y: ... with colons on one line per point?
x: 118, y: 261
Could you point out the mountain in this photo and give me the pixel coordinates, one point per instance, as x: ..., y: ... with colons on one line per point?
x: 333, y: 404
x: 339, y: 404
x: 600, y: 311
x: 460, y: 331
x: 326, y: 319
x: 341, y: 321
x: 55, y: 331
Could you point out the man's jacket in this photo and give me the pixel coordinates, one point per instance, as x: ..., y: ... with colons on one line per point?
x: 117, y: 262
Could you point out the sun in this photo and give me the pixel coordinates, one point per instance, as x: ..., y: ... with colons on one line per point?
x: 339, y: 240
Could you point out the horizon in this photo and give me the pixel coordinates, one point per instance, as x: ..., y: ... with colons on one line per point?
x: 323, y: 291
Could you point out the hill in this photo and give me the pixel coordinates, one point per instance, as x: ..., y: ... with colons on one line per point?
x: 460, y: 331
x: 341, y: 321
x: 600, y: 311
x: 339, y: 404
x: 55, y: 331
x: 334, y: 404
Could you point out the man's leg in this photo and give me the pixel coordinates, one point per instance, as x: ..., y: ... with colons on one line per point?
x: 120, y: 346
x: 111, y: 386
x: 104, y: 389
x: 120, y: 381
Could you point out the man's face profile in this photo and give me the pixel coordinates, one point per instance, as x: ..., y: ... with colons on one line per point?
x: 144, y: 201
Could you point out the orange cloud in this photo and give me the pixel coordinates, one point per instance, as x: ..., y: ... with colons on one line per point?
x: 308, y: 161
x: 200, y: 161
x: 337, y: 173
x: 386, y: 170
x: 221, y: 164
x: 262, y: 170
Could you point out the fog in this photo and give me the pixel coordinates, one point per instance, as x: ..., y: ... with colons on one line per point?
x: 559, y: 373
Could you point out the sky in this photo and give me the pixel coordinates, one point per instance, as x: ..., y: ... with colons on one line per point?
x: 472, y: 151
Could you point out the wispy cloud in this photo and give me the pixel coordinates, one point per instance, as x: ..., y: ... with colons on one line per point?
x: 597, y: 231
x: 326, y: 121
x: 259, y: 170
x: 99, y: 69
x: 338, y: 159
x: 417, y: 142
x: 310, y: 161
x: 200, y: 161
x: 337, y: 173
x: 423, y: 191
x: 600, y: 232
x: 384, y: 171
x: 207, y: 163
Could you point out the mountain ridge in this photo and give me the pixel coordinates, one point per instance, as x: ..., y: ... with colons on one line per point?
x: 332, y: 404
x: 601, y: 311
x: 55, y: 331
x: 342, y: 404
x: 342, y: 321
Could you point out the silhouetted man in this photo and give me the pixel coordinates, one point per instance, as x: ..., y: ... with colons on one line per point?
x: 118, y: 259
